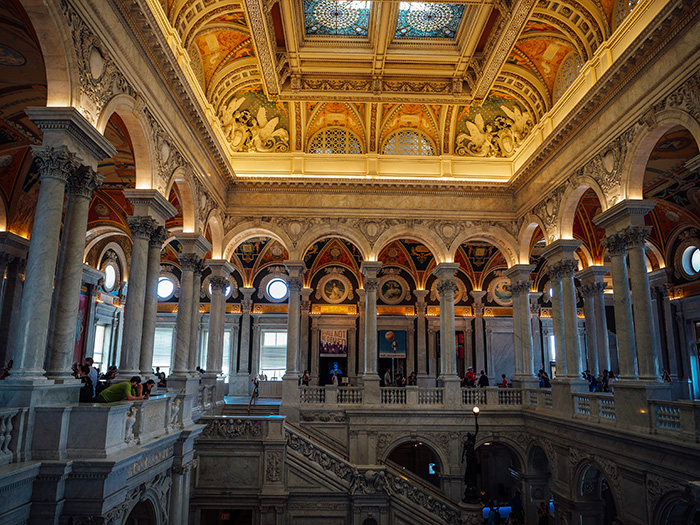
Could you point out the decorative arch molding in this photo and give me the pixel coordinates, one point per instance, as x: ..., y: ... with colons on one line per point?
x: 513, y: 441
x: 437, y: 442
x: 580, y: 461
x: 186, y: 192
x: 126, y: 107
x: 527, y: 230
x: 662, y: 494
x: 3, y: 215
x: 569, y: 204
x: 121, y: 257
x: 166, y: 155
x: 491, y: 233
x: 63, y: 88
x: 632, y: 176
x: 249, y: 229
x: 100, y: 233
x: 317, y: 113
x: 215, y: 221
x: 418, y: 232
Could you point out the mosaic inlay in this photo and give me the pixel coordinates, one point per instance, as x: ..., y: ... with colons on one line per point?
x: 422, y: 20
x: 336, y: 17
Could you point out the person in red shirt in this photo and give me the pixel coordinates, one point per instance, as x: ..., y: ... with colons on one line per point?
x: 504, y: 381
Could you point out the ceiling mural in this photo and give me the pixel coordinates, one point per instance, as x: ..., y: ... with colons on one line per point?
x: 410, y: 255
x: 477, y: 260
x: 332, y: 251
x: 218, y: 47
x: 255, y: 254
x: 411, y: 116
x: 338, y: 114
x: 337, y: 17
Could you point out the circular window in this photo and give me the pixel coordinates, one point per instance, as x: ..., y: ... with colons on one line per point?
x: 277, y: 289
x: 110, y: 281
x: 691, y: 260
x: 166, y: 288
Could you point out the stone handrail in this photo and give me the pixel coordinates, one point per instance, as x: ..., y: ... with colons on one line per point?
x: 680, y: 419
x: 312, y: 394
x: 431, y: 396
x: 319, y: 454
x: 421, y: 494
x: 600, y: 406
x: 393, y: 395
x: 351, y: 395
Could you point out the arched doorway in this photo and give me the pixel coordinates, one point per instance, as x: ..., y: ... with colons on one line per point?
x: 595, y: 500
x: 419, y: 459
x: 142, y: 514
x: 538, y: 481
x: 679, y: 512
x: 499, y: 472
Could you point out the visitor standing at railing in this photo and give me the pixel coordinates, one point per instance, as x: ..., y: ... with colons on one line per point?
x: 305, y: 378
x: 504, y: 381
x: 483, y: 380
x: 387, y: 377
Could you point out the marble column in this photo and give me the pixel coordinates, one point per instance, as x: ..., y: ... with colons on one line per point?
x: 69, y: 141
x: 622, y: 303
x: 295, y: 282
x: 188, y: 262
x: 537, y: 354
x: 218, y: 282
x: 14, y: 248
x: 304, y: 334
x: 562, y: 265
x: 519, y: 276
x: 193, y: 358
x: 592, y: 289
x: 141, y: 230
x: 55, y: 167
x: 647, y: 353
x: 315, y: 357
x: 479, y: 349
x: 66, y: 298
x: 370, y: 285
x: 150, y: 303
x: 446, y: 287
x: 361, y: 331
x: 671, y: 345
x: 244, y: 354
x: 421, y: 330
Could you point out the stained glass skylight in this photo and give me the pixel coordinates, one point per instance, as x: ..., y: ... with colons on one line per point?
x: 422, y: 20
x: 336, y: 17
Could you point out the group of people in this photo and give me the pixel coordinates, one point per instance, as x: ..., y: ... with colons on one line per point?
x: 470, y: 380
x: 398, y: 379
x: 603, y: 383
x: 517, y: 513
x: 543, y: 378
x: 102, y: 388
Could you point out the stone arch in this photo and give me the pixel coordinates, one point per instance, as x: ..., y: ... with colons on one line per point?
x: 675, y: 507
x: 633, y: 169
x: 569, y: 203
x: 125, y: 106
x: 527, y: 230
x: 340, y: 231
x: 186, y: 193
x: 510, y: 443
x: 52, y: 32
x: 216, y: 227
x: 500, y: 238
x: 100, y: 233
x: 591, y: 471
x: 441, y: 454
x: 123, y: 261
x: 419, y: 233
x: 247, y: 230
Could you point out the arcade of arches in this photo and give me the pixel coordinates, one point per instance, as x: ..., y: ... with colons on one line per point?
x: 301, y: 202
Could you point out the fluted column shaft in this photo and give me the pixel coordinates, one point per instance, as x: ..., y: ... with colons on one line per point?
x: 215, y: 345
x: 624, y: 324
x: 601, y: 328
x: 446, y: 287
x: 558, y: 325
x: 304, y: 335
x: 591, y: 335
x: 150, y: 302
x: 592, y: 289
x: 479, y: 350
x: 361, y: 308
x: 12, y: 298
x: 371, y: 284
x: 193, y: 359
x: 141, y: 231
x: 525, y: 329
x: 422, y: 349
x: 573, y: 352
x: 188, y: 262
x: 66, y: 298
x: 516, y: 289
x: 648, y: 356
x: 55, y: 166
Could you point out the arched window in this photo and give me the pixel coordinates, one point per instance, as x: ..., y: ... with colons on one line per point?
x: 408, y: 142
x: 568, y: 72
x: 335, y: 141
x: 622, y: 9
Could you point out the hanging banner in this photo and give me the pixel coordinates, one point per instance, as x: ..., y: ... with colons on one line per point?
x: 334, y: 343
x: 392, y: 343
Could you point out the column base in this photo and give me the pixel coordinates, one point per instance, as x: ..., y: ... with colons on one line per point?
x: 425, y: 381
x: 453, y: 390
x: 290, y: 397
x: 525, y: 382
x: 371, y: 394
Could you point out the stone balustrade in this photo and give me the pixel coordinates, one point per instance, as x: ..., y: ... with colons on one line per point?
x: 679, y: 419
x: 8, y: 436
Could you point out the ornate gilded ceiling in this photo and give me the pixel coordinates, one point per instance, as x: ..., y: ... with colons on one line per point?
x: 470, y: 78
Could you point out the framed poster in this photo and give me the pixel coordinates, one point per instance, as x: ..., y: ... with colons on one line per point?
x: 334, y: 343
x: 392, y: 343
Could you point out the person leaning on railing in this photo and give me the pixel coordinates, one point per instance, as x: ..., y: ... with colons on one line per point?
x: 121, y: 391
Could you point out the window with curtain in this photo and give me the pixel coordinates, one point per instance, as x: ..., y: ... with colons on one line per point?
x: 273, y: 354
x: 163, y: 349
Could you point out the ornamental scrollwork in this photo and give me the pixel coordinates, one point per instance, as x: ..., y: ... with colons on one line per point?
x: 232, y: 428
x: 273, y: 470
x: 246, y: 132
x: 500, y: 138
x: 339, y: 467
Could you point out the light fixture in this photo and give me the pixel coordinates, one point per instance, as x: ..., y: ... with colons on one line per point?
x: 476, y: 410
